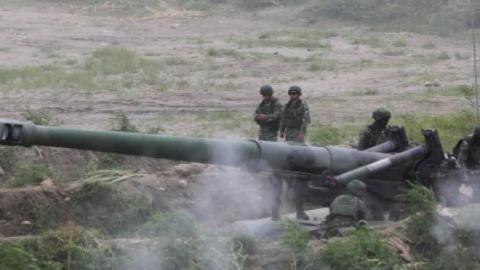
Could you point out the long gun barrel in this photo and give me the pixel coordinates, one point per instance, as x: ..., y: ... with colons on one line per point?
x: 262, y: 154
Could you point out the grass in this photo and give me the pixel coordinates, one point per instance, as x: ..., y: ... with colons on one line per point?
x: 429, y: 45
x: 221, y: 121
x: 70, y: 247
x: 365, y: 92
x: 393, y: 52
x: 121, y: 122
x: 290, y: 39
x: 451, y: 127
x: 37, y: 117
x: 329, y: 135
x: 108, y: 68
x: 362, y: 249
x: 372, y: 42
x: 399, y: 43
x: 30, y: 174
x: 322, y: 65
x: 103, y: 206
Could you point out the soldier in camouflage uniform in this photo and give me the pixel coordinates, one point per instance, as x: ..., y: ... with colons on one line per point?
x: 348, y: 209
x: 295, y: 117
x: 377, y: 132
x: 467, y: 152
x: 267, y: 116
x: 293, y: 127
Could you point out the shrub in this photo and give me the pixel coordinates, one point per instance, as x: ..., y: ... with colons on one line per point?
x: 37, y: 117
x: 362, y: 249
x: 30, y: 174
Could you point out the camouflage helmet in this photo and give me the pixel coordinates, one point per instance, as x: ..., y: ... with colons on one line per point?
x: 381, y: 114
x: 295, y: 89
x: 356, y: 187
x: 266, y: 90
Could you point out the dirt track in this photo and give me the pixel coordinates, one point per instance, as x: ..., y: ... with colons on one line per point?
x: 41, y: 34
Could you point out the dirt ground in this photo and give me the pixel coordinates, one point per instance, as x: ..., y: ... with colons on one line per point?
x: 42, y: 33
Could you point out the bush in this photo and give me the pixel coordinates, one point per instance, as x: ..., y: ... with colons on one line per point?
x: 362, y: 249
x: 37, y: 117
x: 30, y: 174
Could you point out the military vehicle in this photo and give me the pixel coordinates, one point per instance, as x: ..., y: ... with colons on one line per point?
x: 385, y: 168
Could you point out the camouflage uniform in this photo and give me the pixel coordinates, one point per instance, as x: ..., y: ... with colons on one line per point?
x: 376, y: 133
x: 269, y: 132
x: 347, y: 209
x: 269, y: 127
x: 467, y: 152
x: 295, y: 119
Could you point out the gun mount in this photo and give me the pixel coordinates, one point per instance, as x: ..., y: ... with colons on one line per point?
x: 384, y: 173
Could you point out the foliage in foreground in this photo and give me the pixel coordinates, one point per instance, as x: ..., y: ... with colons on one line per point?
x: 186, y: 245
x: 70, y: 247
x: 362, y: 249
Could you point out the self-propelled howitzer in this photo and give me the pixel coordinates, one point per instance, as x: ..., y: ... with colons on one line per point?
x: 324, y: 163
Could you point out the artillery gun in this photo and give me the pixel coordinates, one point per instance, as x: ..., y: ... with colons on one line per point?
x: 325, y: 167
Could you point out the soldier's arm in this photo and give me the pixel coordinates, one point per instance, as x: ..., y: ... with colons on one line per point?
x: 364, y: 140
x: 277, y: 113
x: 362, y: 210
x: 305, y: 117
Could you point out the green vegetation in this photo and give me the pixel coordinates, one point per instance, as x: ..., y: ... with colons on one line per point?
x: 37, y: 117
x: 403, y: 15
x: 419, y: 226
x: 122, y: 123
x: 187, y: 245
x: 321, y: 64
x: 290, y: 39
x: 329, y: 135
x: 451, y: 127
x: 70, y: 247
x: 399, y: 43
x: 221, y: 121
x: 362, y: 249
x: 429, y: 45
x: 391, y: 52
x: 370, y: 41
x: 108, y: 68
x: 104, y: 207
x: 365, y: 92
x: 30, y: 174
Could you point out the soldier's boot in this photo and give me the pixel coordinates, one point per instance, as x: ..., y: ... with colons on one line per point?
x: 300, y: 194
x: 301, y: 213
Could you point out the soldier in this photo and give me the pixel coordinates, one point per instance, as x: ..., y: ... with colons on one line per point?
x: 377, y: 132
x: 267, y: 116
x: 295, y: 117
x: 347, y: 209
x: 293, y: 127
x: 467, y: 152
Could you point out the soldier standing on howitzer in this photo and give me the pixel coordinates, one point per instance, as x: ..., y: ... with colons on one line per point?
x: 377, y: 132
x: 267, y: 116
x: 348, y: 209
x: 293, y: 127
x: 467, y: 152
